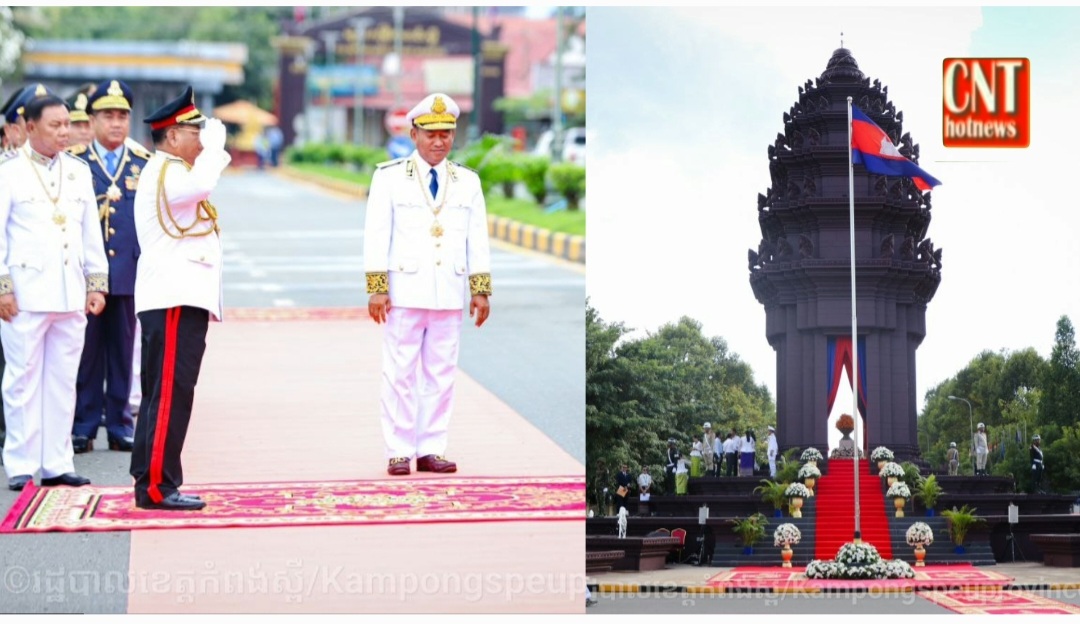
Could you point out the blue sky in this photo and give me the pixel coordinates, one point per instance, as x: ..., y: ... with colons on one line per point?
x: 684, y: 102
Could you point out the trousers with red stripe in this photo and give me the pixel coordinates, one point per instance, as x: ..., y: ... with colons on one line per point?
x: 173, y: 343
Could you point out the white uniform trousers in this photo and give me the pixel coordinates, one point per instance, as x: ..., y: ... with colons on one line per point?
x: 135, y: 398
x: 42, y: 350
x: 420, y: 354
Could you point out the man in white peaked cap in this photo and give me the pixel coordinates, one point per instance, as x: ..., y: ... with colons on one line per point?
x: 426, y: 255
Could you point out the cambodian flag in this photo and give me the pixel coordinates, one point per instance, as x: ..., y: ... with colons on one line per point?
x: 871, y: 147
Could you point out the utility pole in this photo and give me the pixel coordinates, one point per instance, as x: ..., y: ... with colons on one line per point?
x: 330, y: 41
x: 399, y: 25
x: 360, y: 24
x: 474, y: 118
x: 556, y: 111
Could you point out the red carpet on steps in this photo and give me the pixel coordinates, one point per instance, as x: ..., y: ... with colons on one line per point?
x: 835, y: 509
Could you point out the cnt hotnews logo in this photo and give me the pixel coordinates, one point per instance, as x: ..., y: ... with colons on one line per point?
x: 986, y: 102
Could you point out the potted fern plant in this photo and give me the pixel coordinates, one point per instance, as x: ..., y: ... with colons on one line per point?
x: 929, y: 493
x: 750, y: 530
x: 961, y: 522
x: 773, y: 492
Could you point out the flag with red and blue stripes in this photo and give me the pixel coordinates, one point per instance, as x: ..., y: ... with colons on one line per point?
x: 873, y: 149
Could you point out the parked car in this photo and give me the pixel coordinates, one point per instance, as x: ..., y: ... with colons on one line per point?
x: 573, y: 145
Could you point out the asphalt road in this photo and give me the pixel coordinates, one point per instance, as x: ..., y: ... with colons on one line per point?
x: 290, y: 244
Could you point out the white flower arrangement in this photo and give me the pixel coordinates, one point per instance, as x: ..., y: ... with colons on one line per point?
x: 920, y: 534
x: 898, y: 490
x: 811, y: 454
x: 892, y: 469
x: 785, y: 534
x: 797, y: 489
x: 809, y: 472
x: 881, y: 453
x: 858, y: 561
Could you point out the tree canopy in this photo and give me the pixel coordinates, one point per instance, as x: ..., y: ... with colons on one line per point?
x: 252, y: 26
x: 1016, y: 395
x: 641, y: 391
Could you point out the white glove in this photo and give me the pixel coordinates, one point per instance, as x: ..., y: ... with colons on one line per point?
x: 213, y: 135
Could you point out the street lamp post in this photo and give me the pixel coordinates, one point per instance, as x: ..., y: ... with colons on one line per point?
x: 360, y: 25
x: 971, y: 426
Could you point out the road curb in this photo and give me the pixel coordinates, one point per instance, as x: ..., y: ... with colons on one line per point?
x: 566, y: 246
x: 358, y: 191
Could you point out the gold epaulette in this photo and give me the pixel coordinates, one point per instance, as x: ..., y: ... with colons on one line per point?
x: 138, y: 150
x: 390, y: 163
x: 77, y: 149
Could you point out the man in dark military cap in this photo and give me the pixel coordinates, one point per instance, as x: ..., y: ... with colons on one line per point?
x: 14, y: 122
x: 105, y: 369
x: 177, y: 290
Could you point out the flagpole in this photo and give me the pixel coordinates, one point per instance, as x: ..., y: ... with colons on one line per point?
x: 854, y: 323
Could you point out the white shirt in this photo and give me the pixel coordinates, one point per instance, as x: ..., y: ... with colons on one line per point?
x: 746, y: 446
x: 772, y: 445
x: 644, y: 480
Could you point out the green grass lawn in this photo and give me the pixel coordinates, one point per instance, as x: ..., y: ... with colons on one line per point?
x: 334, y: 172
x: 517, y: 209
x: 531, y: 213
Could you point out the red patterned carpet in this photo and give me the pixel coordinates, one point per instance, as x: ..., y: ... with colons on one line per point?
x: 432, y: 499
x: 929, y: 577
x: 295, y: 314
x: 1006, y: 602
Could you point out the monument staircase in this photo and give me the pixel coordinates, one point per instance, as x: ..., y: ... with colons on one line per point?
x: 827, y: 519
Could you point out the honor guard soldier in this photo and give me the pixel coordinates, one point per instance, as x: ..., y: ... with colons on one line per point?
x: 177, y: 290
x: 53, y: 273
x: 426, y: 255
x: 105, y: 371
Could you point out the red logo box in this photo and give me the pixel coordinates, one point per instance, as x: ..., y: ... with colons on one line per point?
x: 986, y: 102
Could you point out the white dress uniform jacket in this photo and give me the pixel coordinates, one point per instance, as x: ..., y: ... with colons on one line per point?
x: 50, y: 253
x: 426, y: 271
x: 180, y: 264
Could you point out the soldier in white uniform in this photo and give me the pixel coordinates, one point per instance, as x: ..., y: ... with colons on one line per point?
x: 53, y: 272
x: 426, y: 255
x: 177, y: 290
x: 772, y: 449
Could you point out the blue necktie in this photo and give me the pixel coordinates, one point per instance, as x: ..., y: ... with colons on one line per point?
x: 110, y: 162
x: 434, y: 184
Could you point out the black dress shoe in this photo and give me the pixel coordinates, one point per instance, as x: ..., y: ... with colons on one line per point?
x: 69, y: 478
x: 18, y: 482
x: 121, y: 444
x: 81, y: 444
x: 173, y: 502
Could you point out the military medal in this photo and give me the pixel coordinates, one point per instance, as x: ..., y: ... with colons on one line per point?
x: 436, y: 227
x: 58, y: 215
x: 113, y: 193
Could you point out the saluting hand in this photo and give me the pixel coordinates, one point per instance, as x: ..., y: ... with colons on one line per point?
x: 9, y: 307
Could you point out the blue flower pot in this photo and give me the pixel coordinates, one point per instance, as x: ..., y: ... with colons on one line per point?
x: 778, y: 513
x: 959, y: 550
x: 748, y: 550
x: 930, y: 513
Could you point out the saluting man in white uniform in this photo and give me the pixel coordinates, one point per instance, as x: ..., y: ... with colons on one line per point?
x: 177, y: 290
x: 53, y: 272
x: 426, y: 255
